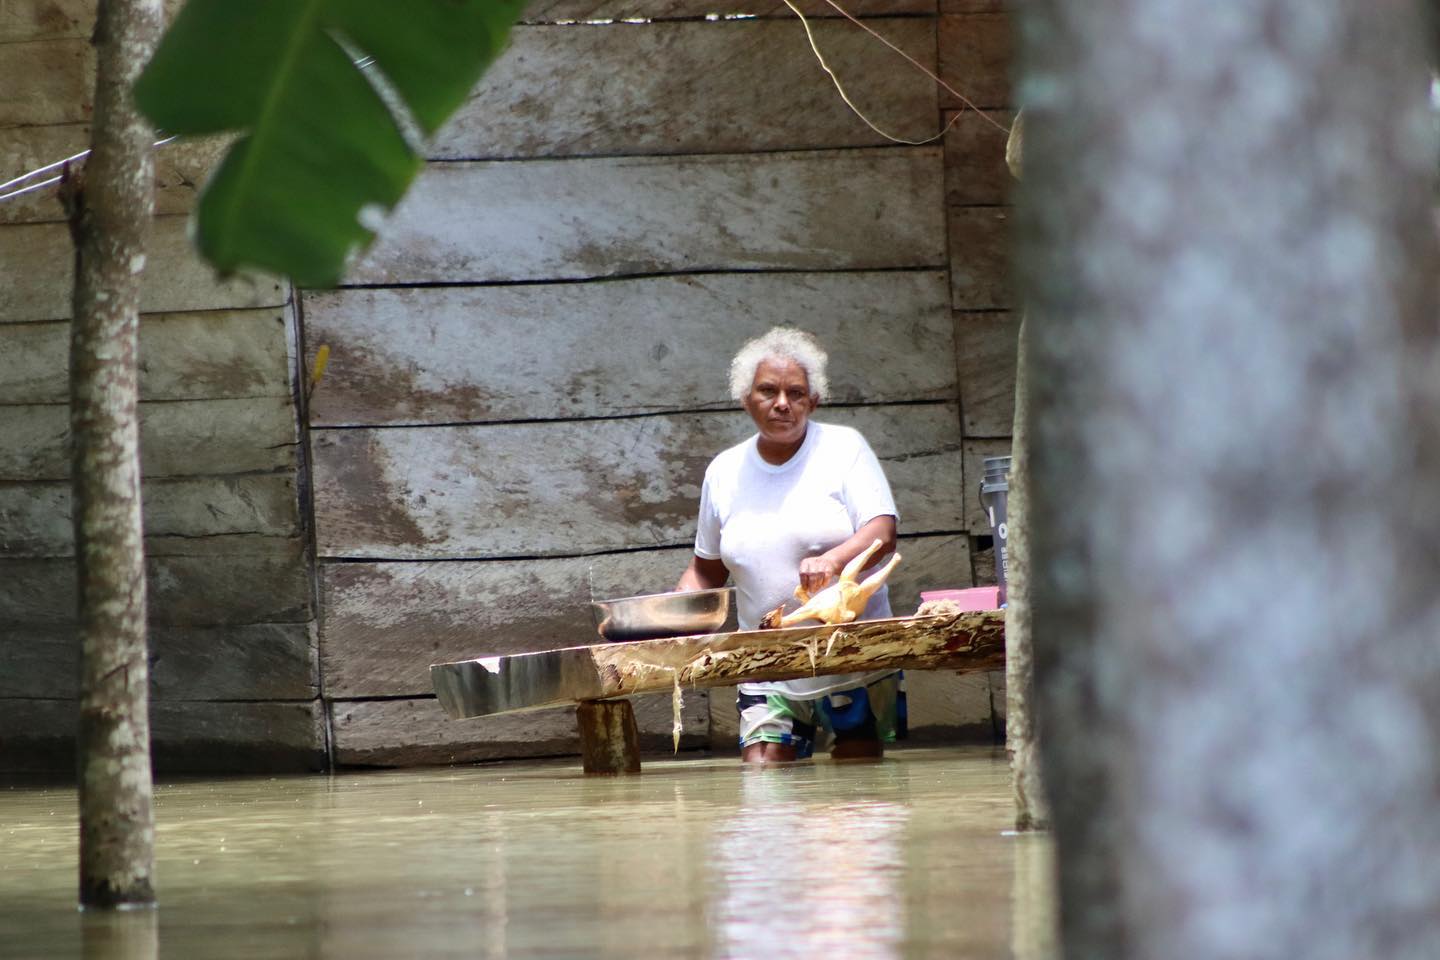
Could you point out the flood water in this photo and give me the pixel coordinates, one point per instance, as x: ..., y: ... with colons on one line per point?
x: 911, y: 857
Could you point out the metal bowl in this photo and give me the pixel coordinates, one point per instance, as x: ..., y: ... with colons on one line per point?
x: 662, y: 614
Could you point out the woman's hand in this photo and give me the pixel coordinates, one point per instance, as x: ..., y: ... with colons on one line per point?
x: 817, y: 571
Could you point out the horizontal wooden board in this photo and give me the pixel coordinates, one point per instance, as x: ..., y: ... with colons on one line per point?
x: 181, y: 168
x: 975, y: 59
x: 218, y: 354
x: 549, y: 11
x: 57, y: 19
x: 23, y: 149
x: 410, y: 732
x: 385, y: 623
x: 49, y: 20
x: 980, y: 258
x: 949, y: 706
x: 542, y: 351
x: 258, y: 661
x: 271, y: 584
x: 22, y: 20
x: 564, y: 488
x: 997, y: 698
x: 982, y: 560
x: 37, y: 262
x: 35, y: 517
x: 724, y: 720
x: 695, y: 87
x: 572, y: 219
x: 974, y: 6
x: 273, y: 737
x: 985, y: 345
x: 975, y: 170
x: 976, y: 450
x: 181, y: 438
x: 46, y: 81
x: 971, y: 641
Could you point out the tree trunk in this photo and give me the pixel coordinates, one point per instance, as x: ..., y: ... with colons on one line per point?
x: 1020, y: 732
x: 1231, y: 277
x: 109, y: 209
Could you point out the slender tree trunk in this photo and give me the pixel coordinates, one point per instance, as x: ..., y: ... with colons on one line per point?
x: 1020, y: 733
x: 109, y: 208
x: 1236, y: 459
x: 1020, y: 728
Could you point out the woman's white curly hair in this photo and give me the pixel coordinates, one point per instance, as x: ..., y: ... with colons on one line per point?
x: 780, y: 343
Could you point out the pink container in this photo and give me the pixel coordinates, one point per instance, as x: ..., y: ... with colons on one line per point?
x: 971, y: 598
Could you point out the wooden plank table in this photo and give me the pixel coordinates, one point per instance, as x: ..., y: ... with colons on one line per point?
x: 592, y: 676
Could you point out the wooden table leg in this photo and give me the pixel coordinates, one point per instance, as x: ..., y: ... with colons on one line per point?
x: 609, y: 739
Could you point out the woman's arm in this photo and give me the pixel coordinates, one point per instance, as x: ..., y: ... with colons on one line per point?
x: 817, y: 571
x: 703, y: 574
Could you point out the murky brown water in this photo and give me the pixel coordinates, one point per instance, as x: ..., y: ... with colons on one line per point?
x: 907, y: 858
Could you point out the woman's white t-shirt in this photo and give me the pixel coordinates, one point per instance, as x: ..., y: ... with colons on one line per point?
x: 762, y: 519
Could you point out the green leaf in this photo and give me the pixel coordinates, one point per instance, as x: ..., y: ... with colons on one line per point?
x: 318, y: 145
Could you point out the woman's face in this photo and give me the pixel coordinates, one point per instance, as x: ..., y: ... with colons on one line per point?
x: 779, y: 401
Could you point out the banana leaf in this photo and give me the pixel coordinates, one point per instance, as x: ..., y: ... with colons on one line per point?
x: 320, y: 156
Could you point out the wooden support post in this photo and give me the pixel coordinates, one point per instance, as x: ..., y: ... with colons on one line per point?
x: 609, y: 739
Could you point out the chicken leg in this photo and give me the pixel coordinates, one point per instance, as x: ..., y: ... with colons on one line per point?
x: 842, y: 601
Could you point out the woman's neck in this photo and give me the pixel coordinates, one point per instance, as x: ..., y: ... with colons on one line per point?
x: 775, y: 452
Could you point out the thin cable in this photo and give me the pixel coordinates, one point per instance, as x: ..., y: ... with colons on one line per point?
x: 367, y: 61
x: 846, y: 97
x: 45, y: 169
x: 33, y: 186
x: 362, y: 63
x: 918, y: 65
x: 51, y: 166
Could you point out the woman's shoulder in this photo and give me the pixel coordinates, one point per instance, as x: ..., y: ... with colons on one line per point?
x: 730, y: 459
x: 839, y: 436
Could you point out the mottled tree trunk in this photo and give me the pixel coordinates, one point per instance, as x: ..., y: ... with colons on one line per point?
x: 1020, y: 732
x: 109, y: 208
x: 1020, y: 727
x: 1231, y: 276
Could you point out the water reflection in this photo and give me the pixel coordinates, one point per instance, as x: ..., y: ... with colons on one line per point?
x: 1034, y: 935
x: 120, y: 935
x: 692, y: 859
x: 493, y: 886
x: 802, y: 877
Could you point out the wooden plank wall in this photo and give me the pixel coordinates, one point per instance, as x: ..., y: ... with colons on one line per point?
x: 528, y: 373
x: 974, y: 45
x: 974, y: 59
x: 234, y: 652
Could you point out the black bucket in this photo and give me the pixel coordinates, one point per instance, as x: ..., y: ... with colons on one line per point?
x: 993, y: 489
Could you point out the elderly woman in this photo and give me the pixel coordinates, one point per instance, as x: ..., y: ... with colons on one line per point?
x: 795, y: 503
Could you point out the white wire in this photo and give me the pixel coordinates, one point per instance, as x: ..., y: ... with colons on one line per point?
x: 33, y: 186
x: 45, y: 169
x: 361, y: 63
x: 51, y: 166
x: 820, y: 57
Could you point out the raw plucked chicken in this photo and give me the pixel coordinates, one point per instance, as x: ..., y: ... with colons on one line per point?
x: 841, y: 602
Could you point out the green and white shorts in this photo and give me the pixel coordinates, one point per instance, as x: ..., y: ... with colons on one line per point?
x: 873, y: 712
